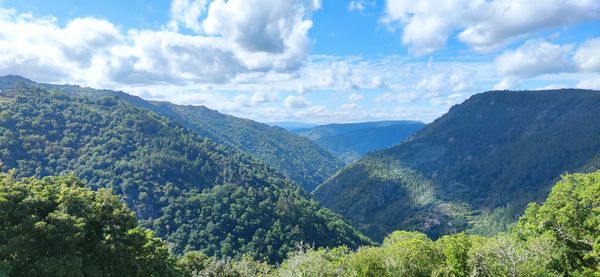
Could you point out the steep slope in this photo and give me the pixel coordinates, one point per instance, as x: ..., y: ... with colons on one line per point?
x: 194, y: 193
x: 298, y: 158
x: 352, y: 140
x: 475, y: 167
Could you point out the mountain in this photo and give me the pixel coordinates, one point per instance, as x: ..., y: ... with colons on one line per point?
x: 191, y: 191
x: 298, y: 158
x: 292, y: 125
x: 352, y: 140
x: 56, y: 227
x: 304, y: 162
x: 474, y: 168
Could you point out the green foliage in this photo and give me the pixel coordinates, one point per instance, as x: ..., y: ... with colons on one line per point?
x: 558, y: 238
x: 456, y: 254
x: 56, y: 227
x: 198, y: 264
x: 570, y: 217
x: 322, y: 262
x: 299, y: 159
x: 262, y: 222
x: 196, y: 194
x: 475, y: 167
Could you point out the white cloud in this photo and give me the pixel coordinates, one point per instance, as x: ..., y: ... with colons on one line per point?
x: 360, y: 5
x: 220, y: 70
x: 506, y: 84
x: 587, y: 56
x: 592, y: 83
x: 456, y: 81
x: 552, y: 87
x: 240, y: 38
x: 448, y: 100
x: 270, y: 26
x: 399, y: 97
x: 350, y: 106
x: 356, y: 6
x: 296, y: 102
x: 426, y: 25
x: 187, y: 13
x: 533, y: 58
x: 38, y: 48
x: 260, y: 98
x: 355, y: 97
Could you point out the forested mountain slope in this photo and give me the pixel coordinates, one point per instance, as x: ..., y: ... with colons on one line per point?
x: 475, y: 167
x: 351, y: 141
x: 298, y: 158
x: 303, y: 161
x: 57, y: 227
x: 193, y: 192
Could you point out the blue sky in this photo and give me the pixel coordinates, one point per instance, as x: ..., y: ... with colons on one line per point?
x: 306, y: 60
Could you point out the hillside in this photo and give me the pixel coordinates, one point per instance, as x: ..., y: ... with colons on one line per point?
x: 91, y: 233
x: 306, y: 163
x: 194, y: 193
x: 299, y: 159
x: 352, y: 140
x: 475, y: 167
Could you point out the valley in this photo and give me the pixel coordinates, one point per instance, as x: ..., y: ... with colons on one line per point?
x: 215, y: 187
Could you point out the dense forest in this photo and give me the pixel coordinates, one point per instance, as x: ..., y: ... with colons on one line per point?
x: 475, y: 168
x: 194, y: 193
x: 104, y: 184
x: 296, y: 157
x: 299, y: 159
x: 58, y: 227
x: 351, y: 141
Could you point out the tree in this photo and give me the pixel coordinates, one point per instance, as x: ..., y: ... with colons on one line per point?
x: 55, y: 226
x: 456, y: 254
x: 571, y: 217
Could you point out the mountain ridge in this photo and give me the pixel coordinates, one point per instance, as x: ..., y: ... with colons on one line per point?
x: 301, y: 160
x: 486, y: 157
x: 350, y: 141
x: 194, y: 193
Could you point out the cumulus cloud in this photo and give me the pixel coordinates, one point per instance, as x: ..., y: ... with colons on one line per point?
x: 235, y: 37
x: 426, y: 25
x: 587, y: 56
x: 187, y: 13
x: 270, y: 26
x: 296, y: 102
x: 38, y: 48
x: 535, y: 57
x: 456, y: 81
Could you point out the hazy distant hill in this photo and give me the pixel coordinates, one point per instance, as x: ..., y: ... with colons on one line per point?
x: 300, y: 159
x: 193, y: 192
x: 292, y: 125
x: 352, y: 140
x: 474, y: 167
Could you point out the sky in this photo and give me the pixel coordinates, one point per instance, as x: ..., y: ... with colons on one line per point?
x: 314, y: 61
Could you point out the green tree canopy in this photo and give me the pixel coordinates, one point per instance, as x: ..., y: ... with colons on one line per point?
x: 57, y: 227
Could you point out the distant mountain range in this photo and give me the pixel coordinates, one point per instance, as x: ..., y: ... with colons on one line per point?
x: 192, y: 191
x: 292, y: 125
x: 475, y: 168
x: 303, y: 161
x: 351, y: 141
